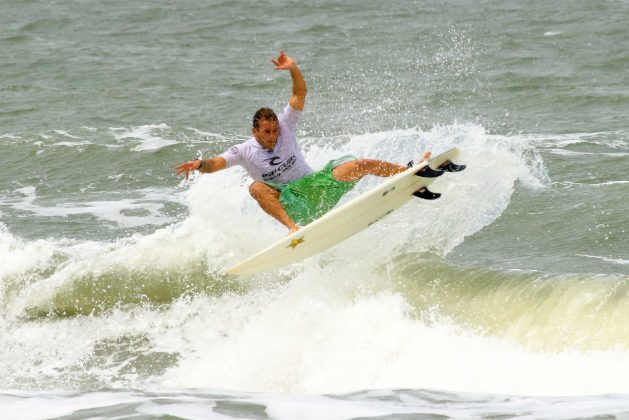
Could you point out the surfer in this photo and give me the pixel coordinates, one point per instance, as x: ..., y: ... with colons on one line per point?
x: 284, y: 185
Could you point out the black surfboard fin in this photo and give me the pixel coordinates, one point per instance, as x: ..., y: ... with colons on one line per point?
x: 449, y: 166
x: 426, y: 194
x: 428, y: 172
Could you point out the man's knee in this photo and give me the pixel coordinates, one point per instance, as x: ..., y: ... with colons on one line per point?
x: 259, y: 189
x: 256, y: 189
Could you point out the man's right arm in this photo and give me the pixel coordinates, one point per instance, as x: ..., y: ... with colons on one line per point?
x: 298, y: 96
x: 212, y: 165
x: 202, y: 165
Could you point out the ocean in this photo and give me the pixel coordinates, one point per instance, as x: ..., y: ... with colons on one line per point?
x: 506, y: 298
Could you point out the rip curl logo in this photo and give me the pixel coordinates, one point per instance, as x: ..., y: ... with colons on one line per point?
x: 279, y: 167
x: 233, y: 150
x: 274, y: 161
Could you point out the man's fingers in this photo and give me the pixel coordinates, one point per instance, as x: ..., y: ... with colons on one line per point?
x: 185, y: 167
x: 281, y: 59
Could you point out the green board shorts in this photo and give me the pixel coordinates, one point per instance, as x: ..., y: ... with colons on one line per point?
x: 310, y: 197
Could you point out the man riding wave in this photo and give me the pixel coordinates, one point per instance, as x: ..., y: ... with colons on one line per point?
x: 285, y: 186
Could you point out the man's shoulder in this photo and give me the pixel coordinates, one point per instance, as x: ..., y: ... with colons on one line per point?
x: 289, y: 116
x: 248, y: 144
x: 247, y: 151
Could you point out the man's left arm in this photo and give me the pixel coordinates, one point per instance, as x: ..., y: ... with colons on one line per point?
x: 298, y: 96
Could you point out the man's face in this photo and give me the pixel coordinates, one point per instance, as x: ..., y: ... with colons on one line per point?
x: 267, y: 132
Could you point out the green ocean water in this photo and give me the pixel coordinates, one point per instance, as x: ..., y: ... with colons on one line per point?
x: 111, y: 267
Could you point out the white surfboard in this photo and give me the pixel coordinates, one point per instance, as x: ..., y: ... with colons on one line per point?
x: 350, y: 218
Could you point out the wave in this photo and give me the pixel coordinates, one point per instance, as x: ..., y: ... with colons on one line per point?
x: 88, y: 276
x: 385, y: 309
x: 537, y: 311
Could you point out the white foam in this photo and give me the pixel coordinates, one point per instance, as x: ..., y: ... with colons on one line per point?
x: 28, y: 406
x: 611, y: 139
x: 19, y: 257
x: 66, y: 134
x: 311, y: 338
x: 150, y: 205
x: 618, y: 261
x: 144, y: 135
x: 202, y: 404
x: 318, y: 333
x: 72, y: 144
x: 564, y: 152
x: 595, y: 184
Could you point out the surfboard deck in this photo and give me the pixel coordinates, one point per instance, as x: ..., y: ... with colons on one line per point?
x: 352, y: 217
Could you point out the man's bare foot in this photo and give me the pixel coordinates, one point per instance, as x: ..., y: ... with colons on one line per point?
x: 426, y: 156
x: 293, y: 229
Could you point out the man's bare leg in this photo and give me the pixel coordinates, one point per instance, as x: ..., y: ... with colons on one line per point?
x: 355, y: 170
x: 269, y: 200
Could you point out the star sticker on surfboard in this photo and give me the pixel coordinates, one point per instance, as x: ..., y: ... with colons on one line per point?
x: 295, y: 242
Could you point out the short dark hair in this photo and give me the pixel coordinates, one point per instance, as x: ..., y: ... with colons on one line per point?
x: 263, y: 114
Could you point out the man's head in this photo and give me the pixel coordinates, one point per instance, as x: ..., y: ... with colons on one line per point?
x: 266, y: 127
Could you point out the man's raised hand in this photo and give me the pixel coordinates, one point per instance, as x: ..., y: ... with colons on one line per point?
x: 284, y: 62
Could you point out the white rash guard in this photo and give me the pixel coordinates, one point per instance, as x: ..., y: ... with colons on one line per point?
x: 281, y: 165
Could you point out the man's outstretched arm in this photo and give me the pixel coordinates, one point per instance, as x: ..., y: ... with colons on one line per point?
x: 202, y: 165
x: 298, y: 97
